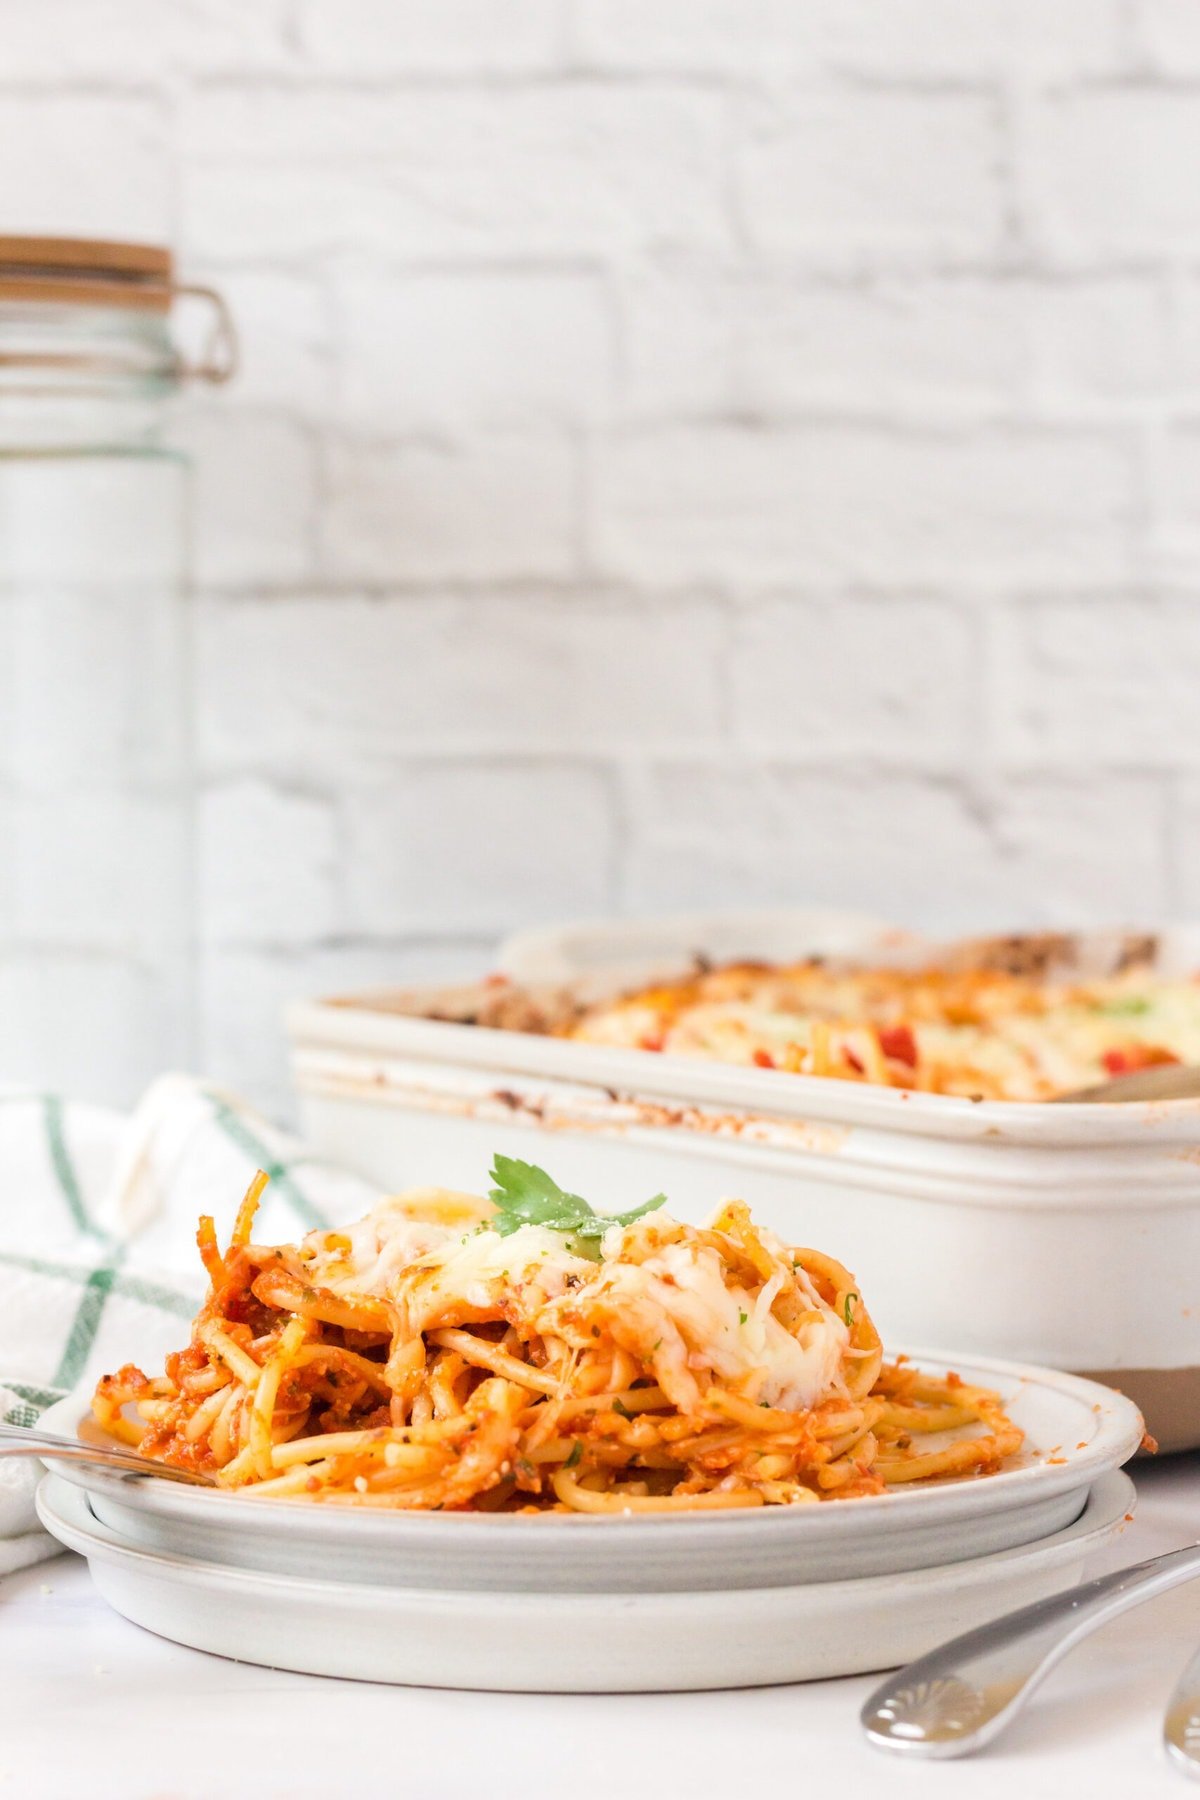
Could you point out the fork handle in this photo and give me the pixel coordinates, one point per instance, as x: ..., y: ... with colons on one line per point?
x: 14, y: 1438
x: 961, y: 1696
x: 26, y: 1440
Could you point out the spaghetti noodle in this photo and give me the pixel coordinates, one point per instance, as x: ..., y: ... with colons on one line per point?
x: 442, y: 1354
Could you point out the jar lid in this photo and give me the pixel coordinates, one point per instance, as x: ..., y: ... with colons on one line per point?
x: 97, y: 272
x: 86, y: 272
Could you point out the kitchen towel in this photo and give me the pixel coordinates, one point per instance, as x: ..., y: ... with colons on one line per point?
x: 98, y: 1259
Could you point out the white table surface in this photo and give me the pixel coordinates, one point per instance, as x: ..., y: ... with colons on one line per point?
x: 93, y: 1707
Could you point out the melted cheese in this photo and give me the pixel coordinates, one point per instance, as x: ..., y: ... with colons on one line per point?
x: 368, y: 1256
x: 676, y: 1308
x: 1007, y: 1037
x: 444, y: 1269
x: 484, y: 1275
x: 658, y: 1291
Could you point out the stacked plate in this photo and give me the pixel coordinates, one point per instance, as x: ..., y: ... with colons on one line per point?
x: 561, y: 1603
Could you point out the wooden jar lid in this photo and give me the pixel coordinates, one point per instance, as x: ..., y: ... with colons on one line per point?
x: 96, y: 272
x: 86, y: 272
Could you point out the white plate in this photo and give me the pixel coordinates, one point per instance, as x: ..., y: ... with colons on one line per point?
x: 1075, y: 1432
x: 572, y: 1643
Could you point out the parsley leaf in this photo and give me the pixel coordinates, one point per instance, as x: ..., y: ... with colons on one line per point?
x: 848, y: 1308
x: 576, y: 1453
x: 1125, y: 1006
x: 526, y: 1195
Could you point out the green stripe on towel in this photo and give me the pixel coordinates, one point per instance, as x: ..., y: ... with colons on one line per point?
x: 41, y: 1397
x: 239, y: 1133
x: 129, y: 1287
x: 64, y: 1168
x: 85, y: 1325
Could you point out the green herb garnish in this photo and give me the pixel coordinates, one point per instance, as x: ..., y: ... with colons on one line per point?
x: 848, y: 1309
x: 742, y: 1317
x: 620, y: 1407
x: 526, y: 1195
x: 1127, y: 1007
x: 576, y: 1453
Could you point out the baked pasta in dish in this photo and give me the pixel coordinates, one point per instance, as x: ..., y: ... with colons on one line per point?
x: 984, y: 1032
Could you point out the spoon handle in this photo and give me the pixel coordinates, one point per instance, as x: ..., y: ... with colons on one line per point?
x: 1181, y: 1721
x: 961, y: 1696
x: 25, y: 1440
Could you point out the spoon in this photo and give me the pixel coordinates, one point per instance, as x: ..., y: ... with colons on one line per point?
x: 22, y: 1440
x: 961, y: 1696
x: 1165, y: 1081
x: 1181, y: 1721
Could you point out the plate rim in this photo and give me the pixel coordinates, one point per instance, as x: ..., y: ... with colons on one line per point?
x: 1120, y: 1431
x: 1109, y: 1499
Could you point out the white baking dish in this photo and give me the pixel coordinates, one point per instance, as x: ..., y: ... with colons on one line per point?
x: 1063, y: 1235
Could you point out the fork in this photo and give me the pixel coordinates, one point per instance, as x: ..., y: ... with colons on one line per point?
x: 24, y: 1440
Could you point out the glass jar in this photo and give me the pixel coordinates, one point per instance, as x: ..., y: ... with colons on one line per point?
x: 96, y: 882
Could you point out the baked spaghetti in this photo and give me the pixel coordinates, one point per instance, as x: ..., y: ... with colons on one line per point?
x: 447, y: 1352
x: 983, y: 1032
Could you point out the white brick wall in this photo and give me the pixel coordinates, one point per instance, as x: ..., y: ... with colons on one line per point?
x: 815, y: 174
x: 822, y: 500
x: 691, y: 451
